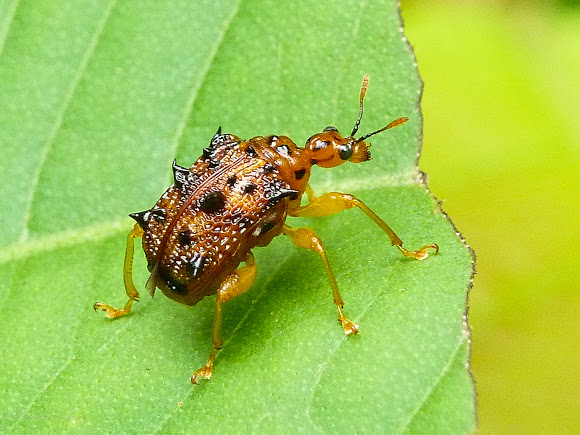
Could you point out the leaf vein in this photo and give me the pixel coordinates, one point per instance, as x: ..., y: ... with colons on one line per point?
x: 433, y: 386
x: 325, y: 365
x: 8, y: 22
x: 44, y: 388
x: 23, y: 249
x: 63, y: 239
x: 204, y: 71
x: 67, y: 98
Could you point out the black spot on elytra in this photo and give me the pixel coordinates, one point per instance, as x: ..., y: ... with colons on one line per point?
x: 299, y: 174
x: 195, y: 265
x: 251, y: 151
x: 176, y: 286
x: 245, y: 222
x: 213, y: 202
x: 269, y: 168
x: 232, y: 180
x: 184, y: 237
x: 272, y: 139
x: 249, y: 188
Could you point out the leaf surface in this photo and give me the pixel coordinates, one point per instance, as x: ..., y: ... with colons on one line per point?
x: 97, y: 99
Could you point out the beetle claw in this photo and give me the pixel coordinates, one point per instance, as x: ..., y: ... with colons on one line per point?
x: 422, y: 253
x: 349, y: 326
x: 112, y: 312
x: 205, y: 373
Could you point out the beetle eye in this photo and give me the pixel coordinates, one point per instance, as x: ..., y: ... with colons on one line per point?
x: 330, y: 128
x: 345, y: 151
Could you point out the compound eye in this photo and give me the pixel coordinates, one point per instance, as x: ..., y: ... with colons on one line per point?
x: 330, y: 128
x: 345, y: 151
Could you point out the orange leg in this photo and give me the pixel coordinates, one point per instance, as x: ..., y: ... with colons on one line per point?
x: 310, y: 193
x: 307, y: 239
x: 333, y: 202
x: 234, y: 285
x: 132, y: 293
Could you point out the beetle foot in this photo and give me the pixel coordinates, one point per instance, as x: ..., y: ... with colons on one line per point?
x: 420, y: 254
x: 349, y: 326
x: 204, y: 373
x: 112, y: 313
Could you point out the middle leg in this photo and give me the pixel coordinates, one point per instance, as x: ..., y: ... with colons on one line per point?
x: 234, y: 285
x: 307, y: 239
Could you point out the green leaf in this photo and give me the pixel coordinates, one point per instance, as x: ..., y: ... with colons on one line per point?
x: 97, y: 99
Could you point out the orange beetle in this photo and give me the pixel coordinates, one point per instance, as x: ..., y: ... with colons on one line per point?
x: 236, y: 196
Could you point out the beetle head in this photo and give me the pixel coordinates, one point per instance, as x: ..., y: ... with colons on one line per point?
x: 329, y: 148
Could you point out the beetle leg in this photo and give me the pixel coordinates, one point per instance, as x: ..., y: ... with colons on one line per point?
x: 307, y: 239
x: 234, y: 285
x: 132, y: 293
x: 310, y: 193
x: 333, y: 202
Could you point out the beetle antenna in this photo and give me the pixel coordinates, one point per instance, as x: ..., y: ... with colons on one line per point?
x: 392, y: 124
x: 363, y: 92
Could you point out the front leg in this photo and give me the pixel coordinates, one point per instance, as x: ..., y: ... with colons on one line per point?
x: 333, y: 202
x: 234, y: 285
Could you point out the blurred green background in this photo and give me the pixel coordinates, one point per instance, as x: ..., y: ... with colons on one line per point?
x: 502, y: 149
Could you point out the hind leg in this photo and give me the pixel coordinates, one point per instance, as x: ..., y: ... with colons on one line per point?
x: 132, y: 293
x: 307, y: 239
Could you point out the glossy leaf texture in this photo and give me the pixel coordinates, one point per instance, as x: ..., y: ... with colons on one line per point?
x: 97, y: 98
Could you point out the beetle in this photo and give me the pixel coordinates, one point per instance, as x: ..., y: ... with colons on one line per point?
x: 235, y: 197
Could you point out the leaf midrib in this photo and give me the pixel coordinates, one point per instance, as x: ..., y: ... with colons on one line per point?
x: 102, y: 230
